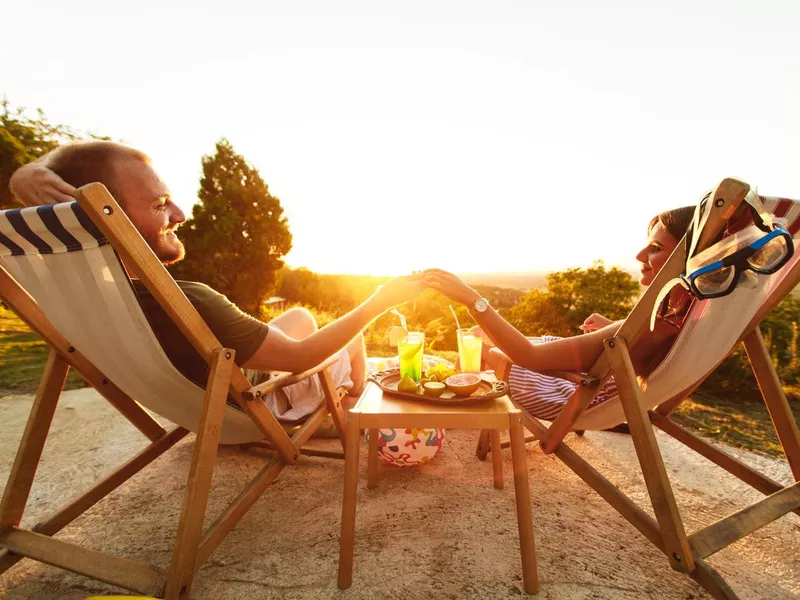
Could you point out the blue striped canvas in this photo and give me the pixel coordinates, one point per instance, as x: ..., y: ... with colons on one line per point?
x: 49, y: 229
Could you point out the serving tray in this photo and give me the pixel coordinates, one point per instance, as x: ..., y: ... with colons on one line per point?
x: 387, y: 380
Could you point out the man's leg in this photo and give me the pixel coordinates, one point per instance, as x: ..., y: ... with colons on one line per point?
x: 357, y: 351
x: 297, y: 323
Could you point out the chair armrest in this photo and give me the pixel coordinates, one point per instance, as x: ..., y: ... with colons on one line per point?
x: 573, y: 376
x: 285, y: 379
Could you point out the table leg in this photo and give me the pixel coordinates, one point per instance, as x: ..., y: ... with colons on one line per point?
x: 372, y: 459
x: 348, y: 534
x: 497, y: 458
x: 530, y: 576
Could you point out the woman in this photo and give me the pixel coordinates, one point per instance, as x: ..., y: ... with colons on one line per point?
x: 544, y: 396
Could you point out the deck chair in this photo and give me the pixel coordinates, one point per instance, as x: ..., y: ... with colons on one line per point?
x: 62, y: 272
x: 711, y: 331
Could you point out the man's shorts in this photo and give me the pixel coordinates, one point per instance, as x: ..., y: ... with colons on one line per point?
x: 295, y: 402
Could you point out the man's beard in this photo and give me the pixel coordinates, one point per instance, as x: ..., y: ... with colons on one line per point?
x: 168, y: 252
x: 172, y: 257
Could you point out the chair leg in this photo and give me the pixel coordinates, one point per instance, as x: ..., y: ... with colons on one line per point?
x: 779, y: 409
x: 712, y: 581
x: 190, y: 528
x: 676, y: 544
x: 334, y: 403
x: 20, y: 479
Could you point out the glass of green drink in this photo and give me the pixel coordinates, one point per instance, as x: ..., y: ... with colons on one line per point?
x: 410, y: 352
x: 469, y: 351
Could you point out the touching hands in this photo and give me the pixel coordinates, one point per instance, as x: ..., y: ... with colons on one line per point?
x: 450, y: 285
x: 399, y: 290
x: 594, y: 322
x: 34, y: 184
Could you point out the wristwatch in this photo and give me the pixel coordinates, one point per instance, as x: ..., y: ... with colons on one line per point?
x: 480, y: 305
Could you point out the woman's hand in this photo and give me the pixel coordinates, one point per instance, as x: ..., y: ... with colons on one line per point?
x: 594, y: 322
x: 34, y: 184
x: 450, y: 285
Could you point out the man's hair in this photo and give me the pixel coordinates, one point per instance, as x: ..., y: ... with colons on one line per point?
x: 80, y: 163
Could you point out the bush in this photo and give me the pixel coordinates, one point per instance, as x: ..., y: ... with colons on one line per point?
x: 780, y: 330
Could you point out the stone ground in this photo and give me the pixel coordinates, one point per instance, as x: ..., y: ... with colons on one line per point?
x: 438, y: 530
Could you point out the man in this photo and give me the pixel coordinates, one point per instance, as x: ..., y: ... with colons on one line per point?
x: 291, y: 342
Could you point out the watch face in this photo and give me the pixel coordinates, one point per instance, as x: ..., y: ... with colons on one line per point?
x: 481, y: 305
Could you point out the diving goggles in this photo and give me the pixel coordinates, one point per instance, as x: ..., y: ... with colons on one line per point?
x: 764, y: 255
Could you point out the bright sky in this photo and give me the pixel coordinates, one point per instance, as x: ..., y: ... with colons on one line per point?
x: 472, y: 136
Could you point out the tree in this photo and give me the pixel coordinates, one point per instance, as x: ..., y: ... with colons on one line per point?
x: 23, y: 139
x: 237, y: 234
x: 573, y: 295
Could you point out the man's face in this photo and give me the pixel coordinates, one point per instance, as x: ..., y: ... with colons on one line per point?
x: 147, y: 202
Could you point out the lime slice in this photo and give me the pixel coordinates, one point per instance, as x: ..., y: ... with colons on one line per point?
x: 406, y: 384
x: 396, y: 334
x: 407, y: 351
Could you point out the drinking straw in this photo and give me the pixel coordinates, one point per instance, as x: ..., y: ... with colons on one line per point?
x: 452, y: 310
x: 402, y: 318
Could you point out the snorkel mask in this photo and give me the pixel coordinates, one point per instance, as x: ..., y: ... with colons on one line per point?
x: 760, y: 249
x: 717, y: 271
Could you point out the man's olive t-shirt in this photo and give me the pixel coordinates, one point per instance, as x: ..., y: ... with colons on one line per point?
x: 232, y: 327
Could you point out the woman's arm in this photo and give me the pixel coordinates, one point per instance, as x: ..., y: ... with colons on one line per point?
x: 576, y: 353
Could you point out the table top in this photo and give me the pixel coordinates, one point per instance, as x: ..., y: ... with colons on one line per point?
x: 374, y: 401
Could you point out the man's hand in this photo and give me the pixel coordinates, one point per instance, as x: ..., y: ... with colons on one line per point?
x: 398, y: 290
x: 594, y: 322
x: 34, y: 184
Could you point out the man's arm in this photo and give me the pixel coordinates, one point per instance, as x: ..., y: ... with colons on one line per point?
x: 35, y: 183
x: 279, y: 352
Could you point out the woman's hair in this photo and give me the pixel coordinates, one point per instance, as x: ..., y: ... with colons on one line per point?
x: 675, y: 221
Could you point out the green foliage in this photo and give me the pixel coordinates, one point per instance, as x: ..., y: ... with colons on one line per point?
x: 237, y: 234
x: 23, y: 139
x: 323, y: 317
x: 573, y: 295
x: 337, y: 293
x: 780, y: 329
x: 22, y: 357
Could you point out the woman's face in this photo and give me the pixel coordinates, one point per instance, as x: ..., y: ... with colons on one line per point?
x: 653, y: 256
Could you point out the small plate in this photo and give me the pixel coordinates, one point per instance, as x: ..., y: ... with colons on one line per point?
x: 387, y: 380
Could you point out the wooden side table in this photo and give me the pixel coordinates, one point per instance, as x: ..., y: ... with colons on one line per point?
x: 374, y: 411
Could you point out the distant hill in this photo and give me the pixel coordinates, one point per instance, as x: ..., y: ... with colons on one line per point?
x: 519, y: 281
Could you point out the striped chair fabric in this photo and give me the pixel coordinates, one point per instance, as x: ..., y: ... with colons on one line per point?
x: 63, y: 261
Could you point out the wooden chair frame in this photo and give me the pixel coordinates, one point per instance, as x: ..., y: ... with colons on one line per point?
x: 192, y: 545
x: 686, y: 553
